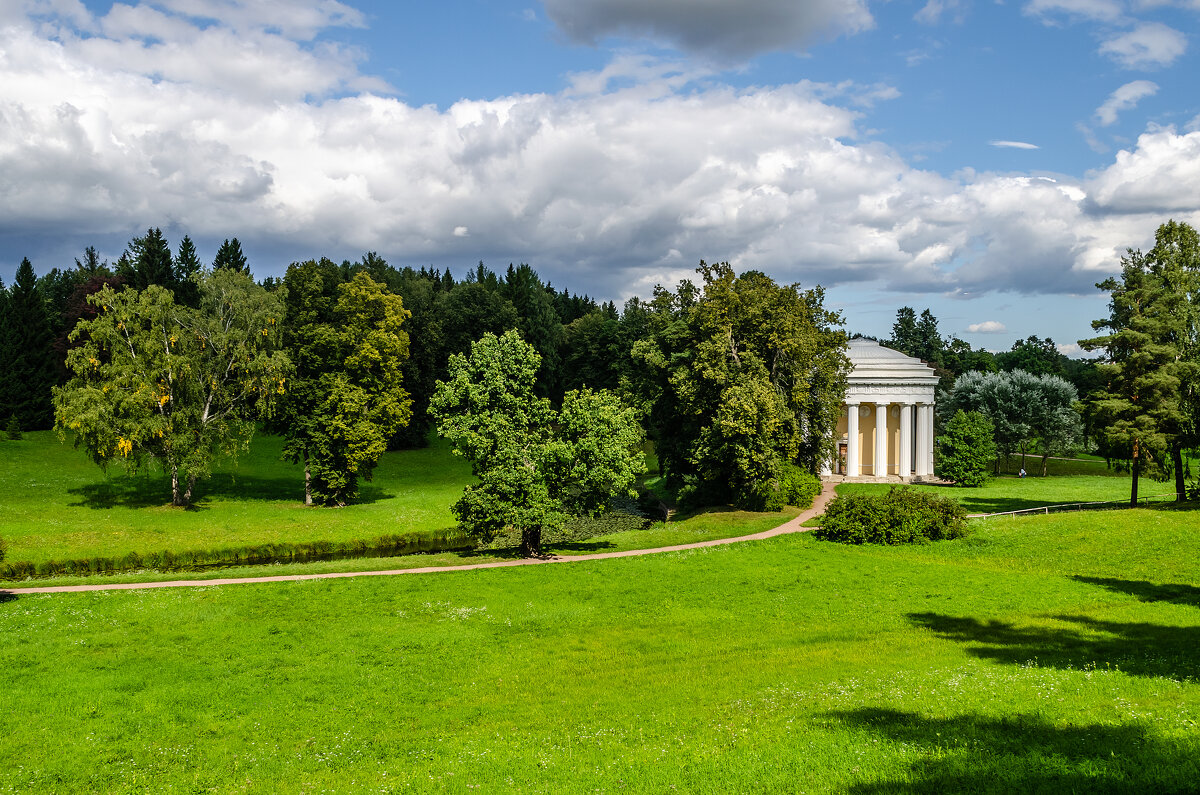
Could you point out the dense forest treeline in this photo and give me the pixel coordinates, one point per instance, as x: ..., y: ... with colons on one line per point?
x: 736, y: 379
x: 582, y: 342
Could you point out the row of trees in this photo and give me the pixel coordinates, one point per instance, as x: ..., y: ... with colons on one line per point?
x: 37, y: 314
x: 737, y: 379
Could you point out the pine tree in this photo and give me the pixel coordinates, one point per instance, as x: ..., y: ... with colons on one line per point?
x: 1140, y: 410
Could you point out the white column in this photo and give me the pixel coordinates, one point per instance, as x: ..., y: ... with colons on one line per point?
x: 852, y: 440
x: 929, y: 444
x: 881, y: 440
x: 905, y: 457
x: 923, y: 433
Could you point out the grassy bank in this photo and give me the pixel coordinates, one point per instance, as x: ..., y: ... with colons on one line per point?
x: 1048, y: 654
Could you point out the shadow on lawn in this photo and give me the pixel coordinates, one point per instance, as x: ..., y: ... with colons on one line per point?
x: 1177, y: 593
x: 1139, y: 649
x: 141, y: 491
x: 1024, y: 753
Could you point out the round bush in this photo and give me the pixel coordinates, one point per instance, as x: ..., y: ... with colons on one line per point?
x: 902, y: 516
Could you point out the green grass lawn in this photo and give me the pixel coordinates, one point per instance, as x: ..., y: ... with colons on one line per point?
x: 1009, y: 493
x: 55, y: 503
x: 1049, y: 654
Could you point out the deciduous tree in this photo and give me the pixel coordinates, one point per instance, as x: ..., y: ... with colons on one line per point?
x: 347, y: 398
x: 159, y: 381
x: 535, y: 465
x: 740, y: 377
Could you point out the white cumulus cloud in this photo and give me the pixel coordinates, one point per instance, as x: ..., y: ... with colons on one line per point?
x: 605, y: 185
x: 987, y: 327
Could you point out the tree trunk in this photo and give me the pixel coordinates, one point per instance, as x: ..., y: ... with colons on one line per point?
x: 1136, y: 470
x: 187, y: 495
x: 176, y: 497
x: 1177, y: 462
x: 531, y: 541
x: 307, y: 482
x: 1045, y: 458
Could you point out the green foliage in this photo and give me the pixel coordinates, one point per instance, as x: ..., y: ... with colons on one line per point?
x: 967, y: 450
x: 1035, y: 356
x: 1025, y: 410
x: 917, y: 337
x: 3, y: 549
x: 347, y: 398
x: 737, y: 380
x: 230, y: 257
x: 27, y: 368
x: 155, y: 380
x: 798, y: 487
x: 13, y: 428
x: 1146, y: 409
x: 535, y: 465
x: 901, y: 516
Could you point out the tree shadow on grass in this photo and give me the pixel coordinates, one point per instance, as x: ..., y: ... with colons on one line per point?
x: 142, y: 491
x: 7, y: 596
x: 1024, y: 753
x: 1178, y: 593
x: 1140, y: 649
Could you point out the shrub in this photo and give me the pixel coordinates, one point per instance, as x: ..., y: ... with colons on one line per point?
x: 3, y: 549
x: 966, y: 451
x: 902, y: 516
x: 799, y: 488
x: 13, y: 429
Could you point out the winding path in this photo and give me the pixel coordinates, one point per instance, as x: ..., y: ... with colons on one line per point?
x: 791, y: 526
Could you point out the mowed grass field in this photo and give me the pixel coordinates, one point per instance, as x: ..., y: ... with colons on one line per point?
x: 1048, y: 654
x: 1074, y: 482
x: 55, y: 503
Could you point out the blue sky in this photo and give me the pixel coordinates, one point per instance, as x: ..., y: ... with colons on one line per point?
x: 989, y: 160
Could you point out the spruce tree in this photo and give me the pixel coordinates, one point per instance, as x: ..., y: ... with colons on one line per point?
x: 146, y: 261
x: 186, y: 266
x: 28, y: 367
x: 230, y: 256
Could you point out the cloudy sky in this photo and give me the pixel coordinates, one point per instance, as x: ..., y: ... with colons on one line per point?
x: 989, y: 160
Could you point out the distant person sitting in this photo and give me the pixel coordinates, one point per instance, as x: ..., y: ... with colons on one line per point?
x: 1022, y: 473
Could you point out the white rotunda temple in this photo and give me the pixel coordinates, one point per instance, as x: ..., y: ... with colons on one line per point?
x: 886, y: 428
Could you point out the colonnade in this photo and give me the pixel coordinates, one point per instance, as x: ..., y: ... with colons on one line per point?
x: 915, y: 457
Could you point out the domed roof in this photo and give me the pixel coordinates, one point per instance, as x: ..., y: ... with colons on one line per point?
x: 872, y: 363
x: 863, y: 350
